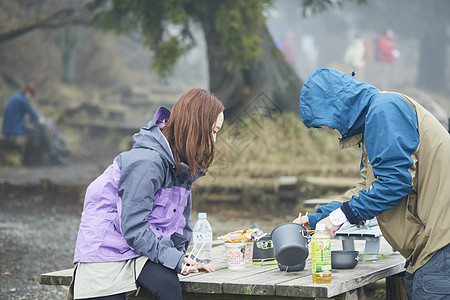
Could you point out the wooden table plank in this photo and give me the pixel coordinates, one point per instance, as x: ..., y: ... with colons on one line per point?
x: 63, y: 277
x: 213, y: 282
x: 262, y: 283
x: 268, y: 281
x: 344, y: 280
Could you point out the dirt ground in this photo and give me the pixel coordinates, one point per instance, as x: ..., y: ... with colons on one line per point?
x: 38, y: 232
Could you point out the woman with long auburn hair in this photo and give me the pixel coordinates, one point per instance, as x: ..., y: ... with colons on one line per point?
x: 187, y: 130
x: 136, y: 224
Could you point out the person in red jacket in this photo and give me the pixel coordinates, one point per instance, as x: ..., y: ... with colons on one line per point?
x: 385, y: 50
x: 385, y: 55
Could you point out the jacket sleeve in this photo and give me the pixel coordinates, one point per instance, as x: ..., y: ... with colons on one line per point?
x: 391, y: 137
x: 322, y: 212
x: 139, y: 181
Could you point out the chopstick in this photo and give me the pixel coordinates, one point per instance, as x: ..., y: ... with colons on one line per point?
x: 195, y: 245
x: 300, y: 215
x: 198, y: 253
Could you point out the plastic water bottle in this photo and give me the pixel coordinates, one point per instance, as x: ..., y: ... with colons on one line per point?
x: 202, y: 238
x: 321, y: 255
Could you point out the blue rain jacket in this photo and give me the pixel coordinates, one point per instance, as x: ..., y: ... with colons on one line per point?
x: 385, y: 121
x: 14, y: 116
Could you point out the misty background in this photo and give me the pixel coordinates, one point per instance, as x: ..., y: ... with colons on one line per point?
x: 100, y: 80
x: 101, y: 83
x: 86, y: 75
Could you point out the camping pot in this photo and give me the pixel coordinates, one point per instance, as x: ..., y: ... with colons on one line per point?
x: 295, y: 268
x: 290, y: 244
x: 348, y: 259
x: 263, y: 248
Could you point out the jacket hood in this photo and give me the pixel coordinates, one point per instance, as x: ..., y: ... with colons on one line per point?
x: 332, y: 98
x: 151, y: 137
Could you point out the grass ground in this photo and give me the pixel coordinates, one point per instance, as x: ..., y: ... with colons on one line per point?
x: 280, y: 146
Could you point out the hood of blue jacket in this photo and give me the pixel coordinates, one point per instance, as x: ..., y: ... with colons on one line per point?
x: 332, y: 98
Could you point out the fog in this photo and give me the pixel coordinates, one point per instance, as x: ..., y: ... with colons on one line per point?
x: 322, y: 39
x: 112, y: 74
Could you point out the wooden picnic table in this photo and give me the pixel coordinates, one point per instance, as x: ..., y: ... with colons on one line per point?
x: 268, y: 282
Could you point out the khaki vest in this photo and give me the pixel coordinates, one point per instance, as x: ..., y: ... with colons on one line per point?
x: 420, y: 225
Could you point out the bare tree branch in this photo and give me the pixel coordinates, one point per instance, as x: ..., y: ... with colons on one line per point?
x: 56, y: 20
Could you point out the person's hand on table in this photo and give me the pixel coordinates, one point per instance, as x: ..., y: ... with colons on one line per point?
x: 205, y: 268
x: 189, y: 266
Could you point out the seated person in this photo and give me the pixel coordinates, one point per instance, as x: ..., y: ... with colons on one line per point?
x: 44, y: 142
x: 17, y: 108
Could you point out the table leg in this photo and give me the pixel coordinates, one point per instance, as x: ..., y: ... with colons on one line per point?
x: 351, y: 295
x: 348, y: 244
x: 395, y: 287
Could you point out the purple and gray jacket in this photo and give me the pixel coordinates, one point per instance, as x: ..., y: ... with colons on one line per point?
x: 139, y: 206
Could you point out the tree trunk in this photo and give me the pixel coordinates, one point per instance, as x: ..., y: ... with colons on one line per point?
x: 69, y: 44
x: 433, y: 60
x: 270, y: 80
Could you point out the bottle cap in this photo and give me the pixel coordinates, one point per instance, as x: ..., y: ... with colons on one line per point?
x: 320, y: 226
x: 202, y: 215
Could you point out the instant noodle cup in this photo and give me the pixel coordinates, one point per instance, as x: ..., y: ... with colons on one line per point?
x: 235, y: 255
x: 240, y: 236
x: 249, y: 252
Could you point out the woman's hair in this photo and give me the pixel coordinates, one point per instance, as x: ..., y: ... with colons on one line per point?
x: 189, y: 129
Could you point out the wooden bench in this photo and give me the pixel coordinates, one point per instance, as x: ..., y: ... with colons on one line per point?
x: 11, y: 151
x: 316, y: 202
x: 268, y: 282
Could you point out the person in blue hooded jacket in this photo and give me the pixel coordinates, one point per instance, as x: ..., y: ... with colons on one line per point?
x: 136, y: 224
x: 404, y: 168
x: 43, y: 142
x: 17, y: 108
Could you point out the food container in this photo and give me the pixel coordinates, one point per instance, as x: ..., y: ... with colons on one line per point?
x: 296, y: 268
x: 344, y: 259
x: 235, y: 255
x: 249, y: 252
x: 348, y: 259
x: 290, y: 244
x: 263, y: 249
